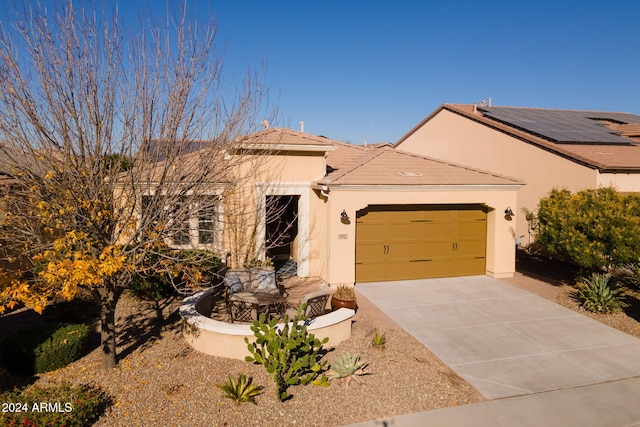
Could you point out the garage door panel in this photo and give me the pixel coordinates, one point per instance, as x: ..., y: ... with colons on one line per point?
x: 472, y: 229
x: 402, y: 244
x: 404, y: 231
x: 466, y: 214
x: 405, y: 215
x: 438, y: 215
x: 436, y: 230
x: 370, y: 233
x: 373, y: 253
x: 438, y: 268
x: 469, y: 266
x: 373, y: 216
x: 404, y: 270
x: 370, y: 271
x: 404, y: 251
x: 435, y: 249
x: 470, y: 248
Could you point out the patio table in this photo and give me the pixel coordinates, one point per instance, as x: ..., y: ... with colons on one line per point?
x: 248, y: 305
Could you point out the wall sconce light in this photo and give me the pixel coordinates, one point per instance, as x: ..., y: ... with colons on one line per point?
x: 508, y: 213
x: 344, y: 216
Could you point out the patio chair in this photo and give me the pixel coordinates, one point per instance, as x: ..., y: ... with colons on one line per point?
x: 316, y: 304
x: 245, y: 311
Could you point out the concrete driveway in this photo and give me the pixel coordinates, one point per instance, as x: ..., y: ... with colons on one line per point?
x: 503, y: 340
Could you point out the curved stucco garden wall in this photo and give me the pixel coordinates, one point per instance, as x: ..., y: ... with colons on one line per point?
x: 224, y: 339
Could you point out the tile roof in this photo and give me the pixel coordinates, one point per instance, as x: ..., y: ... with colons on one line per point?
x: 281, y: 136
x: 384, y: 165
x: 603, y: 140
x: 347, y: 164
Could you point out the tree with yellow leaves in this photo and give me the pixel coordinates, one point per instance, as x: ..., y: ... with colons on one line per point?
x: 113, y: 142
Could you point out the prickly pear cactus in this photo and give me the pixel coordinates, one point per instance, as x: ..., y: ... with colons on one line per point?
x: 289, y: 353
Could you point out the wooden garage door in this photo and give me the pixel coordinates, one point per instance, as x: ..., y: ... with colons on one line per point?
x: 403, y: 243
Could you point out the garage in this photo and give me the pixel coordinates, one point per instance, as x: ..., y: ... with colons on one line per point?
x: 404, y: 242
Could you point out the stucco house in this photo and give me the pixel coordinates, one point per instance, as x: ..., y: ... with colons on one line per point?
x: 545, y: 148
x: 375, y: 213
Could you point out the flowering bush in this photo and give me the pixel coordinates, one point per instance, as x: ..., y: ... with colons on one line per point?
x: 62, y: 405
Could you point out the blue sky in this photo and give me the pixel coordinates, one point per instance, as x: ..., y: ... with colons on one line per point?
x: 371, y: 70
x: 368, y: 70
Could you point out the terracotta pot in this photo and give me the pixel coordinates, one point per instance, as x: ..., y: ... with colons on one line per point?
x: 337, y: 303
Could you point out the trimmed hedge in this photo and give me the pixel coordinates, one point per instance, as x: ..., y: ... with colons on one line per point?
x: 62, y: 405
x: 45, y: 348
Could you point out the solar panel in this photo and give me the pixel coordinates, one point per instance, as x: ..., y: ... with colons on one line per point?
x: 564, y: 126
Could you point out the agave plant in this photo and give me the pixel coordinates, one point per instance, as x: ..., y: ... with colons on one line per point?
x: 348, y: 367
x: 597, y: 294
x: 240, y: 389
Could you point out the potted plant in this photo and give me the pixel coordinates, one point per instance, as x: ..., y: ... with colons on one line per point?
x: 344, y: 296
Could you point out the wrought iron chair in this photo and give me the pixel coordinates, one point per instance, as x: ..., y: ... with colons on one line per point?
x: 316, y: 304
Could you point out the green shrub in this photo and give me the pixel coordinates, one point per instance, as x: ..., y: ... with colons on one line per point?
x: 289, y: 353
x: 63, y: 405
x: 240, y: 389
x: 597, y: 294
x: 592, y: 228
x: 152, y: 280
x: 45, y: 348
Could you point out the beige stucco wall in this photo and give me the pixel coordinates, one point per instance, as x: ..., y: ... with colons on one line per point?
x: 284, y: 166
x: 224, y: 339
x: 449, y: 136
x: 340, y: 241
x: 621, y: 181
x: 274, y: 173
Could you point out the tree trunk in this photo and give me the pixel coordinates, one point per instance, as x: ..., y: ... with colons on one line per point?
x: 108, y: 300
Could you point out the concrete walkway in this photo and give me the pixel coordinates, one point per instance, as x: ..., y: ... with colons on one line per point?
x: 540, y: 359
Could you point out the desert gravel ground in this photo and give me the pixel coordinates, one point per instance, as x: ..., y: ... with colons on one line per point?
x: 163, y: 382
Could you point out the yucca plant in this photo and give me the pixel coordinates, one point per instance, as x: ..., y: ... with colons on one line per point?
x: 348, y: 367
x: 598, y: 295
x: 241, y: 389
x: 379, y: 339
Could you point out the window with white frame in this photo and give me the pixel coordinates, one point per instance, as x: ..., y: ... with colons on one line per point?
x: 197, y: 228
x: 206, y: 220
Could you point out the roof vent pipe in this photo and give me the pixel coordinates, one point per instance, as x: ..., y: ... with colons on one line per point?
x: 489, y: 101
x: 475, y: 107
x: 301, y: 123
x: 265, y: 123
